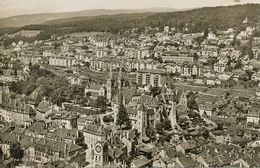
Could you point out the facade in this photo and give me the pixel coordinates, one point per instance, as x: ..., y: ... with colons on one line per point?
x: 149, y: 77
x: 63, y: 62
x: 177, y: 59
x: 93, y: 134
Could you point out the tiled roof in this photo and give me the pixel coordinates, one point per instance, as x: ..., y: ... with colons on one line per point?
x: 141, y: 162
x: 43, y: 107
x: 94, y: 129
x: 131, y: 111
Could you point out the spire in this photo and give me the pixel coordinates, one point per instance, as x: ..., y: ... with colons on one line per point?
x: 173, y: 114
x: 120, y: 77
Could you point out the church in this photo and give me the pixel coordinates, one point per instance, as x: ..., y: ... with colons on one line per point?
x: 107, y: 90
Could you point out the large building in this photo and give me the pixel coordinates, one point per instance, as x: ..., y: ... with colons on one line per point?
x: 149, y: 77
x: 93, y: 134
x: 177, y: 58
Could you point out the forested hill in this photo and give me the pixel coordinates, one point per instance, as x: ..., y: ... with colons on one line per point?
x: 218, y: 17
x: 195, y: 20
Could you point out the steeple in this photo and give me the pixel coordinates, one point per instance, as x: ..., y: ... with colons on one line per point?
x: 109, y: 83
x: 173, y: 114
x: 120, y: 77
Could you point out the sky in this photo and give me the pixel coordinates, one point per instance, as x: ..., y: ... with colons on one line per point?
x: 20, y: 7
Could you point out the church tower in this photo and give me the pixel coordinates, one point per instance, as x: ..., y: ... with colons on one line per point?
x: 172, y: 115
x: 109, y: 84
x: 120, y: 78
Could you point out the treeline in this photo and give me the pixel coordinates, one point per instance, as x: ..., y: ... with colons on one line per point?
x: 194, y: 20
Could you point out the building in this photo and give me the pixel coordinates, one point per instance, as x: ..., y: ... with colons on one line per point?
x: 62, y: 62
x: 177, y: 59
x: 150, y: 77
x: 93, y: 134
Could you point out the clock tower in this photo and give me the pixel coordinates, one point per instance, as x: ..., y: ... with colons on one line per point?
x: 100, y: 153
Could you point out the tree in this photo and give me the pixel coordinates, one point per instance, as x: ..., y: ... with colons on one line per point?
x: 155, y: 91
x: 122, y: 116
x: 58, y: 96
x: 192, y: 104
x: 167, y: 124
x: 16, y: 153
x: 159, y: 128
x: 108, y: 119
x: 29, y: 89
x: 150, y: 132
x: 101, y: 103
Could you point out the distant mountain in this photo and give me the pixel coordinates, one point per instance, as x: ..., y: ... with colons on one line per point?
x: 22, y: 20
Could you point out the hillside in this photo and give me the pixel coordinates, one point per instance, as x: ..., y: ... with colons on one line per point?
x: 216, y: 17
x: 22, y: 20
x: 196, y: 20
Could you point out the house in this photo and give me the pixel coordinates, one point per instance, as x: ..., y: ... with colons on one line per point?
x: 185, y: 147
x: 211, y: 81
x: 200, y: 80
x: 206, y: 109
x: 7, y: 139
x: 254, y: 143
x: 219, y: 67
x: 253, y: 116
x: 190, y: 69
x: 101, y: 52
x: 172, y: 68
x: 43, y: 151
x: 42, y: 110
x: 36, y: 130
x: 84, y: 120
x: 96, y: 90
x: 206, y: 160
x: 67, y: 135
x: 63, y: 119
x: 224, y: 76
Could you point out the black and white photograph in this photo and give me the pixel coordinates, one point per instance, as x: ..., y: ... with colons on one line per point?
x: 129, y: 83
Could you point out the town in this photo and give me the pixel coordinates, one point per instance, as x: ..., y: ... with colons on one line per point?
x: 159, y: 97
